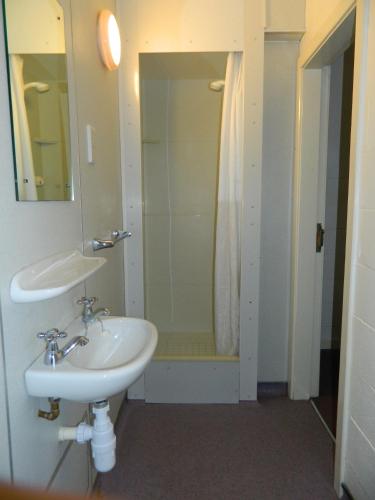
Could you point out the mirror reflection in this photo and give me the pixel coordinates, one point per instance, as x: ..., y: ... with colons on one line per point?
x: 39, y: 99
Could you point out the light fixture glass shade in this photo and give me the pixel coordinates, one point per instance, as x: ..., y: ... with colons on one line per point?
x: 109, y: 40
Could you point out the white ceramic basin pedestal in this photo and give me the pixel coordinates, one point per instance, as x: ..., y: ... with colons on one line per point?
x: 118, y: 352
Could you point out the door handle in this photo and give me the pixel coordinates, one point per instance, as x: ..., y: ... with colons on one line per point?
x: 319, y: 237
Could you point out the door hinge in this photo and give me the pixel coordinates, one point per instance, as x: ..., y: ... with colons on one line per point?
x: 319, y: 237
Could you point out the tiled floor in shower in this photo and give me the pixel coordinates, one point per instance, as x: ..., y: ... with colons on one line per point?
x: 187, y: 346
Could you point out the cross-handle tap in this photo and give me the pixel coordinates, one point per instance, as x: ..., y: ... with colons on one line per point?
x: 88, y: 314
x: 50, y: 336
x: 53, y: 353
x: 52, y: 347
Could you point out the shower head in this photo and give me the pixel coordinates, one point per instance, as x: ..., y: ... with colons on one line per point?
x: 217, y: 85
x: 38, y: 86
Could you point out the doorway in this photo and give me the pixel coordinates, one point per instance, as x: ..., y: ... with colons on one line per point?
x: 309, y: 205
x: 332, y: 241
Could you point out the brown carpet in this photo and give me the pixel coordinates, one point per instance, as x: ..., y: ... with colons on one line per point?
x: 274, y: 449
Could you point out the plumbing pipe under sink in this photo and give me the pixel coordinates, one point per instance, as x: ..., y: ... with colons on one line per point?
x: 101, y: 435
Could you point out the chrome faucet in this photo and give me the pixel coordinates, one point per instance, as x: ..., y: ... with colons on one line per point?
x: 88, y: 314
x: 54, y: 354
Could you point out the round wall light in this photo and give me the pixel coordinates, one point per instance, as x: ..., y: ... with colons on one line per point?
x: 109, y: 39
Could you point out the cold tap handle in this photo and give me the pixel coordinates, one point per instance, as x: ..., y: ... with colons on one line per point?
x: 52, y: 334
x: 87, y: 301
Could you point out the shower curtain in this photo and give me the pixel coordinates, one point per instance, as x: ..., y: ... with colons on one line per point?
x: 21, y: 131
x: 228, y: 240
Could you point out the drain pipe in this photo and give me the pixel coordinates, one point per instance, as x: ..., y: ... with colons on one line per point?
x: 54, y: 410
x: 101, y: 435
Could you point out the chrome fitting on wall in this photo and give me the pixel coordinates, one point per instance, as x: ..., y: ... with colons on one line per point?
x: 116, y: 236
x: 54, y: 410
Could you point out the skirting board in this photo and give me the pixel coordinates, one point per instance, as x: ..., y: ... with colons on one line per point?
x: 192, y: 382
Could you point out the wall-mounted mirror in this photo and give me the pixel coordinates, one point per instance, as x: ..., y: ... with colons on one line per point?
x: 37, y: 74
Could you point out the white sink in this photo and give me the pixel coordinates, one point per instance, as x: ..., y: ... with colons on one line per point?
x: 114, y: 358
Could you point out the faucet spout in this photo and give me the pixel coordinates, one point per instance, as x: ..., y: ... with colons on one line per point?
x: 79, y: 340
x: 88, y: 313
x: 101, y: 312
x: 53, y: 353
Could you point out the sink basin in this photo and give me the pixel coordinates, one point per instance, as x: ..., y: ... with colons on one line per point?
x: 117, y: 354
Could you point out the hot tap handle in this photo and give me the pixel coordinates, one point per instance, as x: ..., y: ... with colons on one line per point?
x: 52, y: 334
x: 87, y: 301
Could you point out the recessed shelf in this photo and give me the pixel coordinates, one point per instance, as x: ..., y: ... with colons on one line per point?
x: 53, y: 276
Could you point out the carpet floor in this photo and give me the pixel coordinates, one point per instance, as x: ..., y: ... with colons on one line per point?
x: 273, y: 449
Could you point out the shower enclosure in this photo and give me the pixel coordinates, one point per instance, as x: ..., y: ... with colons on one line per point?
x: 181, y: 122
x: 181, y: 127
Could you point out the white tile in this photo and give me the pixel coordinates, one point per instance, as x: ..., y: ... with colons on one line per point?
x: 352, y: 481
x: 155, y: 179
x: 156, y: 249
x: 193, y: 172
x: 367, y: 198
x: 194, y: 110
x: 361, y: 456
x: 362, y: 406
x: 193, y: 308
x: 193, y: 249
x: 73, y: 474
x: 363, y: 352
x: 158, y: 307
x: 154, y: 109
x: 365, y: 293
x: 367, y: 238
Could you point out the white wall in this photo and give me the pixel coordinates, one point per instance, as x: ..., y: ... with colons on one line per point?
x: 35, y: 27
x: 34, y: 231
x: 280, y: 60
x: 318, y: 14
x: 359, y: 422
x: 180, y: 184
x: 285, y: 16
x: 97, y: 105
x: 37, y: 229
x: 5, y: 473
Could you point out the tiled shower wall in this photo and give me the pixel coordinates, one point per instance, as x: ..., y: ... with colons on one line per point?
x: 181, y: 130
